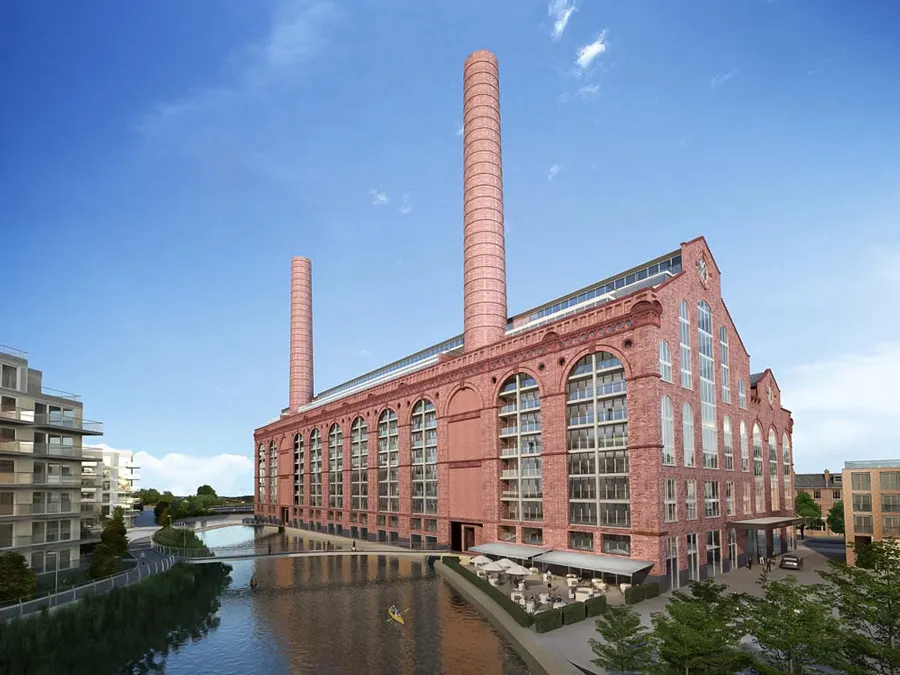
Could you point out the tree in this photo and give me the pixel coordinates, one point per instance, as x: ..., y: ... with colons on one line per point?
x: 114, y: 533
x: 627, y: 646
x: 17, y: 580
x: 836, y: 518
x: 795, y: 631
x: 161, y: 506
x: 206, y: 490
x: 806, y: 508
x: 104, y: 561
x: 868, y: 603
x: 148, y: 496
x: 700, y: 632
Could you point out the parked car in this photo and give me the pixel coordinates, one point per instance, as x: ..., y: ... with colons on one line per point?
x: 791, y: 562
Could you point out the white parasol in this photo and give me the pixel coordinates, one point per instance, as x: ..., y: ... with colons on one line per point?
x: 505, y: 562
x: 518, y: 571
x: 480, y: 560
x: 493, y: 567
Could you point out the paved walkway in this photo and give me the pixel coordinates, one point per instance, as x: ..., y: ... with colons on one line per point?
x: 572, y: 641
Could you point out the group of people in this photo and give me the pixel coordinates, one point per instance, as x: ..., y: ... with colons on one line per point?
x: 768, y: 563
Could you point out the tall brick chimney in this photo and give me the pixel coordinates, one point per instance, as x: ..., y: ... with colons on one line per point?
x: 484, y: 252
x: 301, y: 378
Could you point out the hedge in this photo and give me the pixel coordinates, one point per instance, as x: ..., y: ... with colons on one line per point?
x: 548, y: 620
x: 634, y: 595
x: 573, y: 613
x: 521, y: 617
x: 595, y: 606
x: 651, y: 590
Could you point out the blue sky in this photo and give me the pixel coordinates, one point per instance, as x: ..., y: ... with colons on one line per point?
x: 163, y: 161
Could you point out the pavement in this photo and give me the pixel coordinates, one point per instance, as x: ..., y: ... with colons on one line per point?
x: 572, y: 641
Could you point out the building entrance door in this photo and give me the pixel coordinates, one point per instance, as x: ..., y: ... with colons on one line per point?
x: 468, y: 538
x: 285, y: 514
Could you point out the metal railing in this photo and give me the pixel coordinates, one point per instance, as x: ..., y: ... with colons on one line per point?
x: 39, y: 509
x: 59, y: 393
x: 55, y: 420
x: 28, y: 478
x: 40, y: 449
x: 12, y: 351
x: 51, y: 600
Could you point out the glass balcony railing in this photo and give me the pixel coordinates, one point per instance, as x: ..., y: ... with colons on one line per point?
x: 41, y: 449
x: 23, y: 415
x: 58, y: 421
x: 27, y: 478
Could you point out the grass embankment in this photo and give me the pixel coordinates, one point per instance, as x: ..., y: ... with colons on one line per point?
x: 123, y: 630
x: 182, y: 538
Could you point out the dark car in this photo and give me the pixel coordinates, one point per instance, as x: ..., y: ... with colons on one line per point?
x: 791, y: 562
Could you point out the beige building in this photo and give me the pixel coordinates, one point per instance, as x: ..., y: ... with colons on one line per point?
x: 825, y: 489
x: 107, y: 481
x: 871, y: 502
x: 41, y: 432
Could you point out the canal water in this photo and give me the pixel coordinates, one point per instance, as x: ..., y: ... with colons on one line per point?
x: 328, y: 615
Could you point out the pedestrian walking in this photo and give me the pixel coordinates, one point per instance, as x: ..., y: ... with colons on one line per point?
x: 141, y: 561
x: 749, y: 562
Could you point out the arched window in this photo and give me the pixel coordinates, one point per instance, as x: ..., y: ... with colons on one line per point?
x: 745, y: 451
x: 684, y: 340
x: 773, y: 469
x: 709, y: 436
x: 336, y: 466
x: 521, y: 468
x: 315, y: 468
x: 742, y: 394
x: 388, y: 461
x: 359, y: 461
x: 261, y: 473
x: 273, y: 472
x: 723, y: 361
x: 298, y: 469
x: 423, y: 437
x: 758, y: 469
x: 597, y: 438
x: 729, y: 444
x: 668, y: 432
x: 665, y: 361
x: 687, y: 434
x: 786, y: 469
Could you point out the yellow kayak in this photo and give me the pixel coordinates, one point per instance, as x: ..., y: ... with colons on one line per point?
x: 396, y: 616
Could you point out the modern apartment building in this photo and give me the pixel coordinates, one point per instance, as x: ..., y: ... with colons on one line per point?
x: 618, y: 428
x: 107, y: 481
x: 825, y: 489
x: 41, y: 432
x: 871, y: 502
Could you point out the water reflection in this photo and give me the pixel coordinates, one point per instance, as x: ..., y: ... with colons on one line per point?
x: 329, y: 615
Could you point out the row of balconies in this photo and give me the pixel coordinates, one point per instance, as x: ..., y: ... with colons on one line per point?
x: 30, y: 448
x: 29, y: 478
x: 51, y: 509
x: 28, y: 417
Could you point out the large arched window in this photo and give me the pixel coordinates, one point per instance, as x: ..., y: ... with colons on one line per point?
x: 261, y: 472
x: 359, y: 462
x: 388, y: 461
x: 724, y: 366
x: 758, y: 469
x: 709, y: 436
x: 521, y: 468
x: 298, y: 469
x: 423, y: 437
x: 597, y: 439
x: 684, y: 342
x: 687, y: 434
x: 745, y: 452
x: 336, y: 466
x: 786, y: 469
x: 773, y: 470
x: 665, y: 361
x: 315, y: 468
x: 668, y: 431
x: 729, y: 443
x: 273, y: 472
x: 742, y: 394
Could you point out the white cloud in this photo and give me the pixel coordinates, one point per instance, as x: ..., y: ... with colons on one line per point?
x: 563, y: 98
x: 553, y: 171
x: 591, y: 51
x: 588, y: 91
x: 720, y: 80
x: 379, y: 198
x: 406, y: 204
x: 844, y: 407
x: 182, y: 474
x: 560, y: 11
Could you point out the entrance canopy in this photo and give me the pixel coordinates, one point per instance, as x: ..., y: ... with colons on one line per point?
x: 500, y: 548
x: 625, y: 567
x: 766, y: 523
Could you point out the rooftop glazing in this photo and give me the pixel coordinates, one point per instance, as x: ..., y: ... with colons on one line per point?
x: 873, y: 464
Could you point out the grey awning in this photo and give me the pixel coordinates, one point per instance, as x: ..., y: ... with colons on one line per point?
x: 764, y: 523
x: 500, y: 548
x: 599, y: 563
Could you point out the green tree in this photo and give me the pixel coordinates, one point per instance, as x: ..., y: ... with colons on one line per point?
x: 148, y: 496
x: 700, y: 632
x: 161, y: 506
x: 206, y: 490
x: 17, y: 580
x: 806, y: 508
x: 868, y: 603
x: 836, y: 518
x: 114, y: 532
x: 104, y: 561
x: 795, y: 631
x: 626, y: 646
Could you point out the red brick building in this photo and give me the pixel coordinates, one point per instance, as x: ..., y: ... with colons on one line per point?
x: 618, y: 428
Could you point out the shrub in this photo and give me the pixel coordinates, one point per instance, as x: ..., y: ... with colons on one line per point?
x: 17, y: 580
x: 634, y: 595
x: 181, y: 537
x: 548, y: 620
x: 520, y: 616
x: 595, y: 606
x: 651, y: 590
x: 573, y: 613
